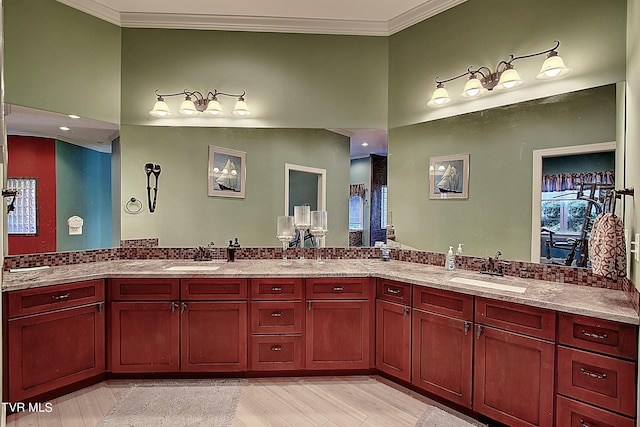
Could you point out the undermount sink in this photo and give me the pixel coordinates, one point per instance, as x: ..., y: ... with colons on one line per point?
x: 193, y: 268
x: 492, y: 285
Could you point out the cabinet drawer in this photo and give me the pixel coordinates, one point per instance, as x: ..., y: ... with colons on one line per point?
x: 150, y: 289
x: 602, y: 336
x: 597, y: 379
x: 443, y: 302
x: 338, y: 288
x: 571, y: 413
x: 269, y: 353
x: 276, y: 289
x: 276, y: 317
x: 393, y: 291
x: 38, y: 300
x: 523, y: 319
x: 213, y: 289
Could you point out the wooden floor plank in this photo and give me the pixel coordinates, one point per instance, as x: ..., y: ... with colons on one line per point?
x: 274, y: 401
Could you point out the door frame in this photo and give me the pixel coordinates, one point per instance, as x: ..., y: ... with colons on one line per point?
x: 538, y: 156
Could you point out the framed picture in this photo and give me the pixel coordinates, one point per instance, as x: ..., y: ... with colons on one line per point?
x: 449, y: 177
x: 227, y: 172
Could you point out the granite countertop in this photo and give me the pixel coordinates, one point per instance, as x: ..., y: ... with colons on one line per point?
x: 595, y: 302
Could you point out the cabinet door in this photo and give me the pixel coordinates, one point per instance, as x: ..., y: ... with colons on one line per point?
x: 145, y: 336
x: 513, y: 379
x: 55, y: 349
x: 337, y: 334
x: 443, y: 356
x: 393, y: 339
x: 214, y: 336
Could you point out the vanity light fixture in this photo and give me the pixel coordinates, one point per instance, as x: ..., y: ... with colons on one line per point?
x: 195, y: 103
x: 482, y: 79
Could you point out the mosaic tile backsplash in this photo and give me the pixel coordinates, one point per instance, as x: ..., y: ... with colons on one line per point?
x: 149, y: 249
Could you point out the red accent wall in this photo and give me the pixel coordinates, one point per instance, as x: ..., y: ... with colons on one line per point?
x: 32, y: 157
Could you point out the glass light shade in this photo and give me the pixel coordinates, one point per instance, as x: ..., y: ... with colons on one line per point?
x: 188, y: 108
x: 439, y: 98
x: 509, y: 79
x: 241, y: 108
x: 473, y: 88
x: 214, y: 108
x: 553, y: 67
x: 160, y: 109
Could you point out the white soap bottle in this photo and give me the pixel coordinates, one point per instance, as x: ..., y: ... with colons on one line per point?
x: 450, y: 263
x: 459, y: 251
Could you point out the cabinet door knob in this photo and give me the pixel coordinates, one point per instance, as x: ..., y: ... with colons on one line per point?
x: 479, y: 331
x: 467, y: 326
x: 174, y: 306
x: 183, y: 307
x: 405, y: 311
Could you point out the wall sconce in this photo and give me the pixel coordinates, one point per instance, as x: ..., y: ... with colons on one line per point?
x: 195, y: 103
x: 482, y: 80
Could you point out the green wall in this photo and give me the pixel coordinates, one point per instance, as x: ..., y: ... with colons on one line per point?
x: 500, y: 142
x: 291, y: 80
x: 59, y: 59
x: 484, y: 32
x: 186, y: 216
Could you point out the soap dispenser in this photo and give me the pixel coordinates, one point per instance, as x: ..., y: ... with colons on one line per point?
x: 450, y: 263
x: 459, y: 251
x: 231, y: 250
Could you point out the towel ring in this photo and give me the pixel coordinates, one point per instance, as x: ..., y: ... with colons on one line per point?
x: 133, y: 206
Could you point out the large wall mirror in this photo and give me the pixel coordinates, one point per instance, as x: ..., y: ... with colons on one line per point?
x: 478, y: 218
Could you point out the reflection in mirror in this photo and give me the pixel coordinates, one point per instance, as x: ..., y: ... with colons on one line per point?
x: 563, y: 209
x: 304, y: 186
x: 69, y: 159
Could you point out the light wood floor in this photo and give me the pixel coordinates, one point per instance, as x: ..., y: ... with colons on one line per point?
x: 307, y: 401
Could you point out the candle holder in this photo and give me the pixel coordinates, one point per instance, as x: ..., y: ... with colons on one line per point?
x: 318, y: 230
x: 302, y: 221
x: 285, y: 233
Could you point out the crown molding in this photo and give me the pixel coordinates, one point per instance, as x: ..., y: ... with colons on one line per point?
x: 262, y: 24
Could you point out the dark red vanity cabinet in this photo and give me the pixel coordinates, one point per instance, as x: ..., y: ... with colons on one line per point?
x: 55, y: 337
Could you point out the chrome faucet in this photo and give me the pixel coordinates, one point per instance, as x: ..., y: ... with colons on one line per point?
x: 203, y: 253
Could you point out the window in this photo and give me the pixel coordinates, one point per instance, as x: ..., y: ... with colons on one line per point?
x: 383, y: 207
x: 356, y: 213
x: 565, y: 216
x: 23, y: 219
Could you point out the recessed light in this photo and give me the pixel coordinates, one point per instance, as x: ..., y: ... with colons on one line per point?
x: 63, y: 128
x: 73, y: 116
x: 365, y: 144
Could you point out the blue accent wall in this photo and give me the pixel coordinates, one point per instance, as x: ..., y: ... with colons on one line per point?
x: 83, y: 179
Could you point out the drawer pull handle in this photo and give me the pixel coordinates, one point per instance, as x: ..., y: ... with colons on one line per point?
x: 276, y: 289
x: 276, y: 348
x: 276, y: 314
x: 592, y: 335
x: 393, y: 291
x: 593, y: 374
x: 583, y: 424
x: 338, y: 288
x: 59, y: 297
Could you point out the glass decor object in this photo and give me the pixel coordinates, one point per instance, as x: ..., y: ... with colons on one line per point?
x: 318, y: 229
x: 285, y: 232
x: 302, y: 221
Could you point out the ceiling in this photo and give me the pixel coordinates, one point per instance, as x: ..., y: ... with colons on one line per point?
x: 355, y: 17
